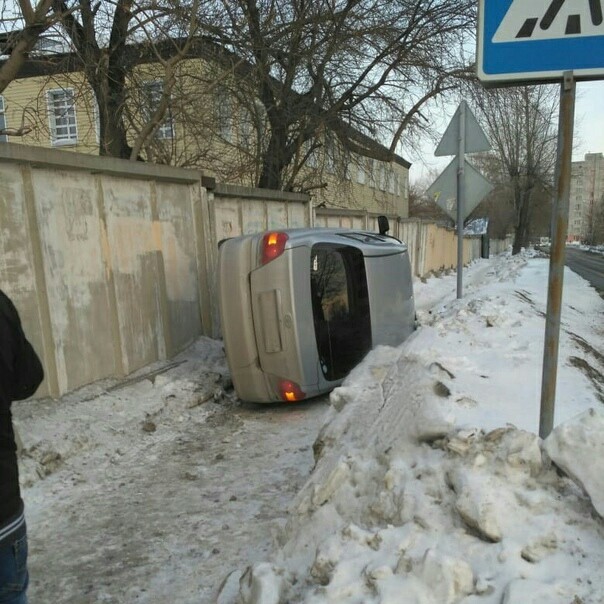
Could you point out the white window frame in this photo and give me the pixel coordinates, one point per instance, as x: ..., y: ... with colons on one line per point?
x: 63, y: 100
x: 312, y: 161
x: 390, y: 180
x: 372, y: 173
x: 153, y: 90
x: 224, y: 114
x: 347, y: 172
x: 3, y: 122
x: 382, y: 177
x: 330, y: 156
x: 361, y: 171
x: 246, y: 128
x: 97, y: 119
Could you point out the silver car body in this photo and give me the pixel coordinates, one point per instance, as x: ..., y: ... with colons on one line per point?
x: 295, y: 324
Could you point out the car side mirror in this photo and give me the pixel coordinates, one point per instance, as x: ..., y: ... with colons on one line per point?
x: 383, y: 224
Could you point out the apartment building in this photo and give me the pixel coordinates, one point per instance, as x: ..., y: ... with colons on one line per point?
x: 586, y: 205
x: 205, y: 127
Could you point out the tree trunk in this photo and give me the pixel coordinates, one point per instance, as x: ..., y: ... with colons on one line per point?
x: 270, y: 177
x: 112, y: 138
x: 109, y: 91
x: 521, y: 232
x: 276, y: 158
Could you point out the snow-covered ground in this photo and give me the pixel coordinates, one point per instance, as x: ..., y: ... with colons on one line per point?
x: 156, y: 487
x: 429, y: 484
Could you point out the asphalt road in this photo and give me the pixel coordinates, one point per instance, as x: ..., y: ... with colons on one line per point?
x: 589, y: 266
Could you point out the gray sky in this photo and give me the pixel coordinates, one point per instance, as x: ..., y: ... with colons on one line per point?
x: 588, y: 131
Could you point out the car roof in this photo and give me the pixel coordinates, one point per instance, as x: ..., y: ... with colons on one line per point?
x: 359, y: 238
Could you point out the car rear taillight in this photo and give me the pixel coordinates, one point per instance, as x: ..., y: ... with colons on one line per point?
x: 273, y: 245
x: 290, y: 391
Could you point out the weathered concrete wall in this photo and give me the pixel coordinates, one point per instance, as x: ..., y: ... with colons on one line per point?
x: 112, y: 264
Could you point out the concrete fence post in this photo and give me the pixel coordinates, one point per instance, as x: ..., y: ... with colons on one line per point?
x: 165, y: 348
x: 114, y: 320
x: 42, y: 305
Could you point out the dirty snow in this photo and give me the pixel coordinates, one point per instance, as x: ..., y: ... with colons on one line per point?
x: 428, y: 484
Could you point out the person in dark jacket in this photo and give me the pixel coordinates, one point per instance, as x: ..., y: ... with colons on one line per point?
x: 20, y: 375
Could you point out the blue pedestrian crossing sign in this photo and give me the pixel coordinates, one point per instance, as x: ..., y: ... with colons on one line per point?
x: 538, y: 40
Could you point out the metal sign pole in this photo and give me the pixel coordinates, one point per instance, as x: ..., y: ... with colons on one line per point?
x: 558, y: 250
x: 460, y: 196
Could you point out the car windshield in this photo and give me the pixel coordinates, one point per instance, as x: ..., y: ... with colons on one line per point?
x: 340, y: 303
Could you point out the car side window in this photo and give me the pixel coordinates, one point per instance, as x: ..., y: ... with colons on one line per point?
x: 340, y: 303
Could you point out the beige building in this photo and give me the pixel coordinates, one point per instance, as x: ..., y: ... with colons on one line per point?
x: 205, y: 128
x: 586, y: 197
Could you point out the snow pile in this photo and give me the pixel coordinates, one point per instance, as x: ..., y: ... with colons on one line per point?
x: 52, y: 433
x: 578, y: 449
x: 412, y: 510
x: 423, y: 493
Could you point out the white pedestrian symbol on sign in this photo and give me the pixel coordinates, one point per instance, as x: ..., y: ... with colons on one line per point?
x: 550, y: 20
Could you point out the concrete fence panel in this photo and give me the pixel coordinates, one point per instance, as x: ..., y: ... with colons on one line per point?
x: 134, y: 243
x: 181, y: 265
x: 101, y: 259
x: 21, y: 268
x: 339, y: 218
x: 75, y: 282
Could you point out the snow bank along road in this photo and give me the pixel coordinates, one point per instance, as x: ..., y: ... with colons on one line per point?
x: 158, y: 488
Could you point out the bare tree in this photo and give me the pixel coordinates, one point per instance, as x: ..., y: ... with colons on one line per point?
x: 109, y: 39
x: 520, y: 124
x: 356, y: 70
x: 30, y: 22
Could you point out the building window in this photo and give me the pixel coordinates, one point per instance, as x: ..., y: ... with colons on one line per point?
x: 224, y: 115
x: 310, y: 153
x: 153, y: 93
x: 330, y: 156
x: 372, y: 174
x: 346, y: 159
x: 245, y: 130
x: 382, y: 177
x: 3, y: 125
x: 62, y: 117
x: 361, y: 173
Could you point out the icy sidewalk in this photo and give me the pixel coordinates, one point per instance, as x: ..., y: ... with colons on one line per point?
x: 151, y: 490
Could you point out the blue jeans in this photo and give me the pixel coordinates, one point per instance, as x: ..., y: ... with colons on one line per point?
x: 13, y: 572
